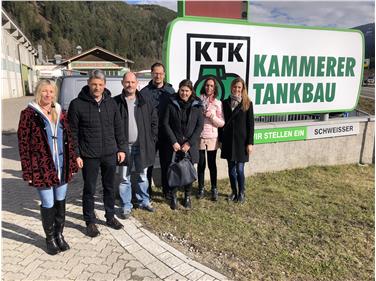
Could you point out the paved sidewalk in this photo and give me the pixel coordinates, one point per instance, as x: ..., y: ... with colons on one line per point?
x: 10, y: 112
x: 129, y: 254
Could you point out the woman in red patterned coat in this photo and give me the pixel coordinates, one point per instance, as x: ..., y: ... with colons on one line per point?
x: 48, y: 159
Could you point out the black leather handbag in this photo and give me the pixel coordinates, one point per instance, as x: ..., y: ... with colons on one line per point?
x: 181, y: 171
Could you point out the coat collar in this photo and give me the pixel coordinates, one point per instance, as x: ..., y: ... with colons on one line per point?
x: 175, y: 101
x: 140, y: 98
x: 37, y: 108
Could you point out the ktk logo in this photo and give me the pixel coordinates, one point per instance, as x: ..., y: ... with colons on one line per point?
x: 221, y: 56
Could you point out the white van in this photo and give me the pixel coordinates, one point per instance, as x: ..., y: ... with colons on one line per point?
x: 70, y: 86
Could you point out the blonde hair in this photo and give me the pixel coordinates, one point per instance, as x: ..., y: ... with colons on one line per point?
x: 38, y: 95
x: 246, y: 102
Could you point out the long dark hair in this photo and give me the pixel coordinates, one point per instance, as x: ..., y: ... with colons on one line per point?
x: 203, y: 91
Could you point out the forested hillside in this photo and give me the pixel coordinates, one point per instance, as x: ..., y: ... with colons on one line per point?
x: 132, y: 31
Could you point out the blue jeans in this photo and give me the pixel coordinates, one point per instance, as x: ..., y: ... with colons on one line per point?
x: 48, y: 196
x: 236, y: 174
x: 125, y: 187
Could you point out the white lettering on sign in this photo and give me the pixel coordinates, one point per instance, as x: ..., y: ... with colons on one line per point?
x: 334, y: 130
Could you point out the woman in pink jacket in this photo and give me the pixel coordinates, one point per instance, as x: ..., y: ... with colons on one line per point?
x: 212, y: 110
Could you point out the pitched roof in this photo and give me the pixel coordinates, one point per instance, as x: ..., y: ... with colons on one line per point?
x: 76, y: 57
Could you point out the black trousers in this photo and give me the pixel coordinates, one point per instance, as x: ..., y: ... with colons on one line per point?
x: 212, y: 168
x: 90, y: 171
x: 165, y: 155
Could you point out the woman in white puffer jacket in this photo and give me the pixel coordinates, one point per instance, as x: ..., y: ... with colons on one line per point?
x: 213, y: 119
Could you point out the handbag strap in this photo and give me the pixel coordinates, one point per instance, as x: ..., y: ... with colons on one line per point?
x: 186, y: 155
x: 173, y: 157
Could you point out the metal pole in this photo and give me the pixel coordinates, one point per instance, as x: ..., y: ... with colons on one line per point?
x: 324, y: 117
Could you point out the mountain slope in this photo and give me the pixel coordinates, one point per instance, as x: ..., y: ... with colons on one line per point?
x: 132, y: 31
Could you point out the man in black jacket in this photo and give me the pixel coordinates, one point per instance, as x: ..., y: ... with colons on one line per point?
x: 159, y: 92
x: 140, y: 120
x: 98, y: 131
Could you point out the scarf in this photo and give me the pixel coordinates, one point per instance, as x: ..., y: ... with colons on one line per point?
x: 235, y: 100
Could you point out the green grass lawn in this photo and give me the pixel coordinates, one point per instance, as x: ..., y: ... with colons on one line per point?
x: 304, y: 224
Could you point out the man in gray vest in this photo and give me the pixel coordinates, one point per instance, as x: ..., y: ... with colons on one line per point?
x: 140, y: 119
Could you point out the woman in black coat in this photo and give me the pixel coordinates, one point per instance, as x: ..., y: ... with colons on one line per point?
x: 183, y: 123
x: 236, y: 137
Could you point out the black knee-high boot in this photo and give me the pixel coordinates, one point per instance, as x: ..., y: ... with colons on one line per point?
x: 59, y: 225
x: 48, y: 221
x: 174, y: 199
x: 187, y: 196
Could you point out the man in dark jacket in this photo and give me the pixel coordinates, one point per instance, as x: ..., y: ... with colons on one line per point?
x: 140, y: 120
x: 98, y: 131
x: 159, y: 92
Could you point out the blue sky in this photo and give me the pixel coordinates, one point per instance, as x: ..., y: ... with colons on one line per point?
x: 341, y: 14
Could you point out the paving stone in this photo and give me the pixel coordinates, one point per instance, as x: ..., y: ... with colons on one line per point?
x: 207, y: 270
x: 90, y: 260
x: 11, y: 276
x: 117, y: 267
x: 184, y: 269
x: 106, y: 252
x: 101, y: 245
x: 127, y: 257
x: 142, y: 273
x: 134, y: 264
x: 144, y: 257
x: 29, y: 259
x: 123, y: 238
x: 133, y: 248
x: 151, y: 279
x: 54, y: 273
x: 173, y: 251
x: 70, y: 254
x: 160, y: 269
x: 124, y: 275
x: 9, y: 246
x: 164, y: 256
x: 76, y: 271
x: 103, y: 277
x: 35, y: 274
x: 32, y: 266
x: 138, y: 235
x: 135, y: 222
x: 195, y: 275
x: 85, y: 276
x: 114, y: 255
x: 101, y: 268
x: 152, y: 236
x: 175, y: 277
x: 12, y: 260
x: 30, y: 251
x: 206, y: 277
x: 150, y: 245
x: 112, y: 258
x: 90, y: 253
x: 131, y: 228
x: 12, y: 268
x: 173, y: 262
